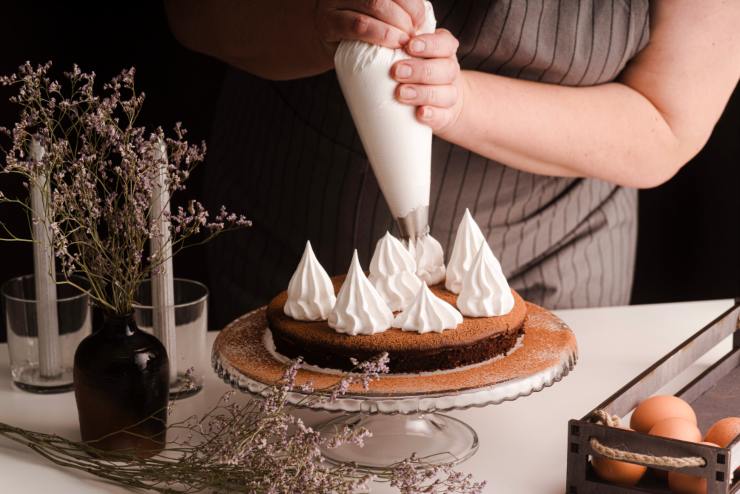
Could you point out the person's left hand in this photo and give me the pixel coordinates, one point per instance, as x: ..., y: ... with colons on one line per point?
x: 432, y: 83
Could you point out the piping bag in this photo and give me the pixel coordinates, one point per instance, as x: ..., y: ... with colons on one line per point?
x: 397, y: 145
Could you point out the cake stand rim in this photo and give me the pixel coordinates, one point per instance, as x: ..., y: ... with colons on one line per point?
x: 342, y: 404
x: 409, y: 403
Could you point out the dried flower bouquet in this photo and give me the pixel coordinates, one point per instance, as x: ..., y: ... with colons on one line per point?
x: 97, y: 170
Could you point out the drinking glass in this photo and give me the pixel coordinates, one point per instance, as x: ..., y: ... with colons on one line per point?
x: 74, y: 323
x: 191, y: 325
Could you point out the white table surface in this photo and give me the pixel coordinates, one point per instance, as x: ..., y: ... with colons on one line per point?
x: 522, y: 443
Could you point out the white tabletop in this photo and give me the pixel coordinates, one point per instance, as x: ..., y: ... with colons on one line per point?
x: 522, y: 443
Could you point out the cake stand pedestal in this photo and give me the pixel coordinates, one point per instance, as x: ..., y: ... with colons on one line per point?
x: 434, y: 437
x: 403, y: 411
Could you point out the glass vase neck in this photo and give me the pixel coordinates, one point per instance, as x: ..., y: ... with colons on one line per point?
x: 119, y: 323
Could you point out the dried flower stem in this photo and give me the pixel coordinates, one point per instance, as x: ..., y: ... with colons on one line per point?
x: 255, y: 447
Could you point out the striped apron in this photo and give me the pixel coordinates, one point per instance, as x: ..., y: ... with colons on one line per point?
x: 287, y: 154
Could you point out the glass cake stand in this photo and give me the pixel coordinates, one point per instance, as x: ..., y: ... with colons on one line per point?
x: 404, y: 412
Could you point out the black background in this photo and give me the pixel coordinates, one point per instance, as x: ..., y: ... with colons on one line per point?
x: 689, y: 237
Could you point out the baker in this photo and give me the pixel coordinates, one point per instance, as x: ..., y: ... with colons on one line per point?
x: 547, y: 117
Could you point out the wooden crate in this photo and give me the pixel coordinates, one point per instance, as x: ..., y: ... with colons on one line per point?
x: 705, y: 393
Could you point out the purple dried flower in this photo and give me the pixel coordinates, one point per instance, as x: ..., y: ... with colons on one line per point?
x: 414, y: 476
x: 102, y: 169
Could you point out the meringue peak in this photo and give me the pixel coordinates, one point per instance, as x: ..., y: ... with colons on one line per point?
x: 393, y: 272
x: 467, y: 243
x: 428, y: 313
x: 310, y: 291
x: 359, y: 308
x: 430, y: 259
x: 485, y: 291
x: 390, y: 257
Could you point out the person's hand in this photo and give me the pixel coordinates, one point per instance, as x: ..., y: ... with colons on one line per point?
x: 432, y: 81
x: 380, y: 22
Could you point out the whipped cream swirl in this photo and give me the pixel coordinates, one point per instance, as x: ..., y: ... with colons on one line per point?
x: 359, y: 309
x: 393, y: 273
x: 467, y: 242
x: 310, y: 291
x: 485, y: 291
x: 430, y: 259
x: 428, y: 313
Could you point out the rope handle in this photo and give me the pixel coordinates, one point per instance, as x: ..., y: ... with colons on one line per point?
x: 603, y: 417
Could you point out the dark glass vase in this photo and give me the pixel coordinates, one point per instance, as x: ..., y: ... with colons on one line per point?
x: 121, y: 386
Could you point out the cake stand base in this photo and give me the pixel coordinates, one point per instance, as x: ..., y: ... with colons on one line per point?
x: 185, y: 386
x: 435, y: 438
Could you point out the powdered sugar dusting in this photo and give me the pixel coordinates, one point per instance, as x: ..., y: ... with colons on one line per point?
x: 546, y: 321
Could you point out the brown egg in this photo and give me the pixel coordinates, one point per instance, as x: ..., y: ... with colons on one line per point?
x: 681, y: 483
x: 618, y: 472
x: 675, y: 428
x: 658, y: 408
x: 724, y: 431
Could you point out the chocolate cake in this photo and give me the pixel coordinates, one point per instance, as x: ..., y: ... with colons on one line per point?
x: 473, y: 341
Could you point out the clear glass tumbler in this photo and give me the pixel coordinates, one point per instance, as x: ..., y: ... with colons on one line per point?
x: 74, y: 324
x: 191, y: 325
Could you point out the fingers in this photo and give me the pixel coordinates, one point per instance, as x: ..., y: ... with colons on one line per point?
x: 437, y: 118
x: 415, y: 9
x: 426, y: 71
x: 440, y: 44
x: 387, y: 23
x: 388, y: 11
x: 424, y: 95
x: 430, y: 81
x: 338, y: 25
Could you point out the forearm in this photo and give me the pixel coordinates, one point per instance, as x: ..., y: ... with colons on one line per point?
x: 637, y: 131
x: 608, y: 131
x: 275, y: 39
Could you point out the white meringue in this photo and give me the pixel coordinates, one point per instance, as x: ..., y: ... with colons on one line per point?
x: 430, y: 259
x: 485, y: 291
x: 310, y: 291
x: 467, y: 242
x: 428, y: 313
x: 359, y: 309
x: 393, y: 273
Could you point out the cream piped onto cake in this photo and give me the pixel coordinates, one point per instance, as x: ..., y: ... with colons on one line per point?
x: 485, y: 291
x: 428, y: 313
x: 429, y: 334
x: 310, y: 291
x: 467, y: 242
x: 430, y: 259
x: 393, y: 273
x: 359, y: 310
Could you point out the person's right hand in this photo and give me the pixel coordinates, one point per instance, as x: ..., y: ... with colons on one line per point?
x: 387, y: 23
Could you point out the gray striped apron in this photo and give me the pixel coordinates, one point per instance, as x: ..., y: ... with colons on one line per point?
x: 287, y: 154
